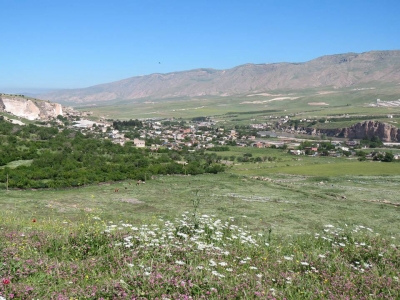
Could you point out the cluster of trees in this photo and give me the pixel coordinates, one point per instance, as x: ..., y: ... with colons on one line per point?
x: 373, y: 142
x: 248, y: 157
x: 67, y: 158
x: 200, y: 119
x: 386, y: 157
x: 376, y: 156
x: 120, y: 125
x: 176, y: 122
x: 219, y: 148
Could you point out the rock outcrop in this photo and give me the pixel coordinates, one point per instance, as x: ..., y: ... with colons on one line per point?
x: 31, y: 109
x: 366, y: 129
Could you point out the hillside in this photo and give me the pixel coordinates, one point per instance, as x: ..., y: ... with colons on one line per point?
x: 29, y: 108
x: 341, y: 70
x: 366, y: 129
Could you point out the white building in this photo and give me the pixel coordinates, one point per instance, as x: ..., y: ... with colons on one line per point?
x: 139, y: 143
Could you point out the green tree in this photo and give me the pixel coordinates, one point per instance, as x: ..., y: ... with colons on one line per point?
x: 389, y: 157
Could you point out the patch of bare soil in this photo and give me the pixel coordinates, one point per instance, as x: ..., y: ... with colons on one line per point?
x: 326, y: 92
x: 262, y: 94
x: 317, y: 103
x: 385, y: 202
x: 131, y: 200
x: 62, y: 207
x: 270, y: 100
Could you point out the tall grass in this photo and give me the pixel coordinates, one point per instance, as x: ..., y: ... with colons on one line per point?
x: 192, y: 257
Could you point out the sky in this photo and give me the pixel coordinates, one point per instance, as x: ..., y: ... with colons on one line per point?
x: 77, y: 43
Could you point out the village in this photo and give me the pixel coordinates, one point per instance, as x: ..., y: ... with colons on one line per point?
x: 206, y: 133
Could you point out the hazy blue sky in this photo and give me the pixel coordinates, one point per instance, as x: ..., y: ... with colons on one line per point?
x: 70, y: 44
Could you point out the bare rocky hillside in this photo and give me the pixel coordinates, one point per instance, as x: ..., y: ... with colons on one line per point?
x: 366, y: 129
x: 341, y: 70
x: 30, y: 109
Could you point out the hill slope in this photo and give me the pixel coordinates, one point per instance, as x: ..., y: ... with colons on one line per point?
x: 29, y: 108
x: 339, y: 70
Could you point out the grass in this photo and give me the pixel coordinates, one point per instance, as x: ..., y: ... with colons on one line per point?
x: 273, y: 194
x: 153, y: 241
x: 279, y: 203
x: 341, y: 101
x: 17, y: 163
x: 192, y: 257
x: 342, y: 168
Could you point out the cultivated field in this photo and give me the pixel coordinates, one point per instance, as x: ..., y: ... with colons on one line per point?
x: 352, y: 101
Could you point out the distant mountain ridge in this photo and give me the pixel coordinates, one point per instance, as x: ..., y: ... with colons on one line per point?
x: 340, y: 70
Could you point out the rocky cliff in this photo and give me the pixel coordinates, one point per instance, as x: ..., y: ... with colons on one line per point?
x: 386, y: 132
x: 31, y: 109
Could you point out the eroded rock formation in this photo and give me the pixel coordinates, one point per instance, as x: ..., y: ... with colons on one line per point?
x: 30, y: 109
x: 369, y: 129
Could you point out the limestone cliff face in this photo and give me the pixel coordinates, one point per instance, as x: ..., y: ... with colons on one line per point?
x: 2, y: 106
x: 386, y: 132
x: 48, y: 109
x: 30, y: 109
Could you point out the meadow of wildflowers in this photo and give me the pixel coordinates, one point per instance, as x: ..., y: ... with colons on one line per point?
x: 192, y: 257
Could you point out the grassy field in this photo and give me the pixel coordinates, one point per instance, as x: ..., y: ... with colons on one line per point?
x: 192, y: 257
x: 303, y: 103
x: 246, y: 234
x: 341, y: 167
x: 294, y: 227
x: 290, y: 189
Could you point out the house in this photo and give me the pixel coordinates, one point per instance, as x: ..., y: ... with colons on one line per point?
x: 154, y: 147
x: 84, y: 124
x: 297, y: 152
x: 333, y: 153
x: 311, y: 149
x: 336, y: 143
x: 352, y: 143
x: 139, y: 143
x: 258, y: 145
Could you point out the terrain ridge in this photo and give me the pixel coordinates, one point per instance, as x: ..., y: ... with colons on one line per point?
x: 335, y: 71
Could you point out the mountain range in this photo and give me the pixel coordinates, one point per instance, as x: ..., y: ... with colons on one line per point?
x: 335, y: 71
